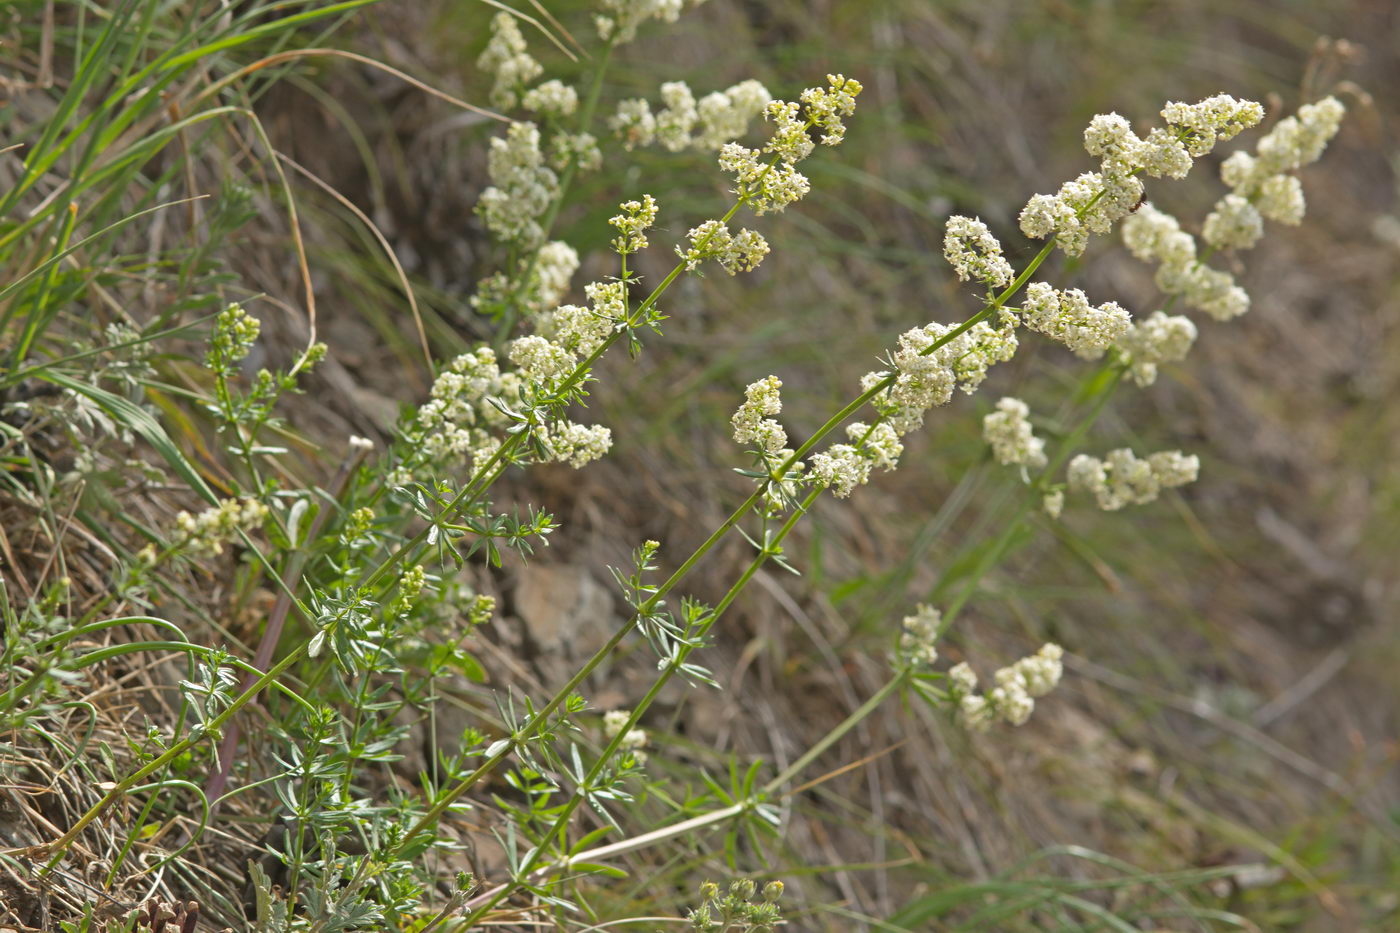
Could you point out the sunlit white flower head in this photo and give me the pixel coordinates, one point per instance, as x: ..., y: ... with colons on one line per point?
x: 772, y: 183
x: 632, y: 224
x: 1154, y: 236
x: 540, y: 360
x: 762, y: 186
x: 1095, y: 201
x: 962, y: 678
x: 717, y: 118
x: 1068, y: 317
x: 841, y: 467
x: 1214, y: 119
x: 1122, y: 479
x: 974, y: 253
x: 1280, y: 198
x: 576, y: 444
x: 735, y: 252
x: 750, y: 426
x: 506, y: 58
x: 1053, y: 502
x: 826, y: 107
x: 1264, y: 178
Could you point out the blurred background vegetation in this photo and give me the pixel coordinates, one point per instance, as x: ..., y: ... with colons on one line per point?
x: 1231, y: 697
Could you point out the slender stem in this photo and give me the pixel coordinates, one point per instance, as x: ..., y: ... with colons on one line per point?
x: 835, y: 735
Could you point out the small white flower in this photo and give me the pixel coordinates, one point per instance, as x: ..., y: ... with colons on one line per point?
x: 540, y: 360
x: 522, y: 186
x: 1068, y: 317
x: 881, y: 443
x: 1160, y: 338
x: 673, y: 124
x: 1008, y: 432
x: 634, y: 122
x: 842, y: 468
x: 1233, y: 224
x: 636, y: 218
x: 553, y: 98
x: 725, y: 115
x: 506, y: 58
x: 920, y: 632
x: 750, y: 426
x: 962, y: 677
x: 1122, y: 479
x: 1216, y: 118
x: 1280, y: 198
x: 576, y: 444
x: 974, y: 253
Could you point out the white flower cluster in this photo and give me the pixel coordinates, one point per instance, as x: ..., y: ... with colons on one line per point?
x: 1154, y: 236
x: 718, y: 117
x: 1008, y: 432
x: 735, y: 252
x: 506, y: 58
x: 614, y: 721
x: 522, y: 186
x: 620, y: 18
x: 1122, y: 479
x: 459, y: 420
x: 750, y: 426
x: 1234, y: 223
x: 1160, y: 338
x: 580, y: 149
x: 974, y: 253
x: 205, y: 534
x: 569, y: 334
x: 1216, y: 118
x: 1094, y: 201
x: 1261, y: 183
x: 575, y: 444
x: 1012, y: 700
x: 555, y: 265
x: 1068, y: 317
x: 553, y: 99
x: 928, y: 366
x: 920, y: 632
x: 632, y: 225
x: 771, y: 186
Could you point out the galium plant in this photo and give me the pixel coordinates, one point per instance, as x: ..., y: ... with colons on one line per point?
x: 370, y: 564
